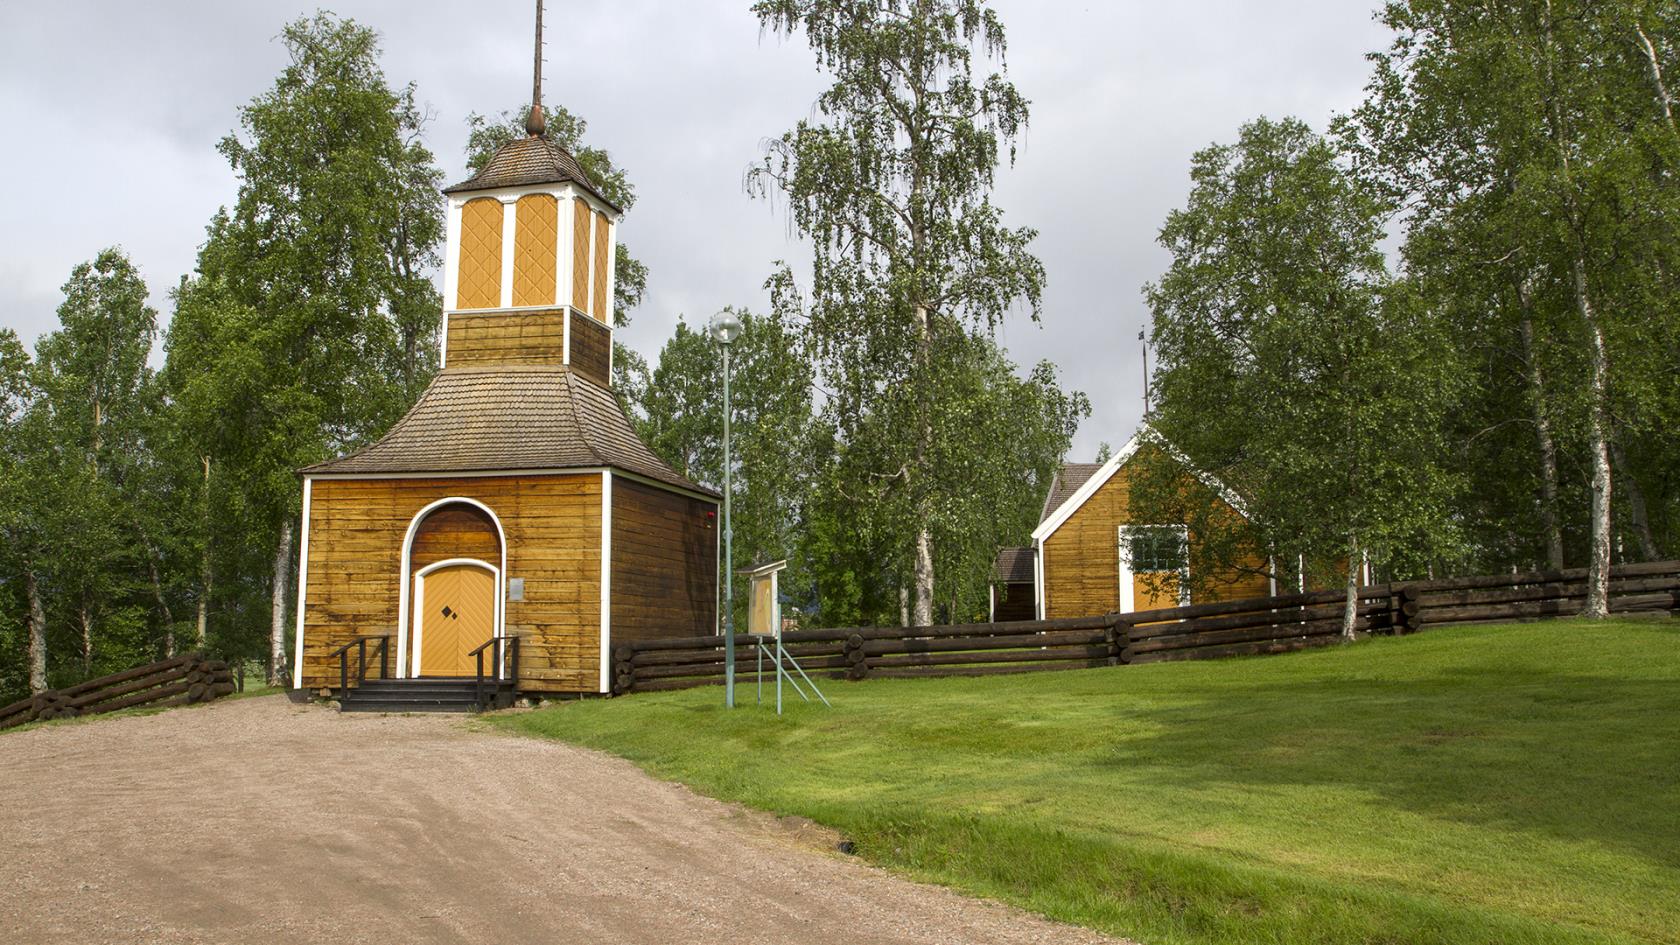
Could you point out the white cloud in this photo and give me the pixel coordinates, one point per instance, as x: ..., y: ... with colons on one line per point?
x: 115, y: 110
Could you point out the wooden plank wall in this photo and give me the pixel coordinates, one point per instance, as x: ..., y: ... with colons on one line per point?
x: 485, y: 340
x: 1014, y: 602
x: 664, y: 564
x: 1082, y: 557
x: 591, y: 349
x: 553, y: 529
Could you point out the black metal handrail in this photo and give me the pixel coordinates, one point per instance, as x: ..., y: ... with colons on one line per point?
x: 503, y: 669
x: 360, y: 645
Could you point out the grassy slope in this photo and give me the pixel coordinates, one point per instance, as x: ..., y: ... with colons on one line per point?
x: 1510, y: 784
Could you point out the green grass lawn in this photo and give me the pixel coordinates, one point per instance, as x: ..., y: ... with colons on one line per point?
x: 1504, y: 784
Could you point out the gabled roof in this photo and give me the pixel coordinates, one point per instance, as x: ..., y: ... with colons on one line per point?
x: 527, y: 161
x: 1014, y: 565
x: 1065, y: 483
x: 1061, y: 511
x: 509, y: 418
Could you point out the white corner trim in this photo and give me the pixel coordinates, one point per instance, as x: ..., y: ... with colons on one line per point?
x: 406, y: 579
x: 452, y: 253
x: 566, y: 335
x: 566, y: 268
x: 1038, y: 578
x: 303, y: 588
x: 510, y: 232
x: 606, y: 580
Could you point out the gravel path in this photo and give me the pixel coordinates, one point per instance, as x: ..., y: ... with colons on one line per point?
x: 259, y: 820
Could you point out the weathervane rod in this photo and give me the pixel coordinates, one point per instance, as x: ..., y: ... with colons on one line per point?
x: 534, y: 122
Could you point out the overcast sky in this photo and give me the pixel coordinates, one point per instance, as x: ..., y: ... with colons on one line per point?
x: 113, y: 111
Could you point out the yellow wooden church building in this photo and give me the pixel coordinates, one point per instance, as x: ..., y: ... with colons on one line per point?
x: 514, y: 500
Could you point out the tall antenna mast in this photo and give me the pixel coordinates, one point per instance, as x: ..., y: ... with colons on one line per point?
x: 1145, y: 345
x: 535, y: 124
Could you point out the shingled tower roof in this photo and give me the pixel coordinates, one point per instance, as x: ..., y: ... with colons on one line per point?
x: 528, y: 161
x: 509, y: 418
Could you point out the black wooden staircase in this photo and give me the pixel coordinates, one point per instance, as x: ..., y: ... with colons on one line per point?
x: 495, y: 685
x: 428, y: 694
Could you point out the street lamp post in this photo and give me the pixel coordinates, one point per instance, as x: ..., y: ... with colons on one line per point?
x: 725, y: 328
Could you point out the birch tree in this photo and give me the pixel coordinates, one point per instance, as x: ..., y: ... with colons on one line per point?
x: 311, y: 322
x: 1555, y: 117
x: 890, y: 182
x: 1291, y: 367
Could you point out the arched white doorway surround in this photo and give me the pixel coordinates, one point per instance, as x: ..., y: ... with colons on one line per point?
x: 408, y: 664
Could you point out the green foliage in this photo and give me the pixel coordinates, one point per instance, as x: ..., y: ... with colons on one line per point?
x: 681, y: 419
x: 1535, y: 148
x: 1292, y: 368
x: 891, y: 183
x: 311, y: 323
x: 1472, y: 785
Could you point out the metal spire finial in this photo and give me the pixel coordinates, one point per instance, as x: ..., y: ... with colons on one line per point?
x: 535, y: 124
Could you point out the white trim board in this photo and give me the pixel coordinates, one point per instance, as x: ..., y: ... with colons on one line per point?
x: 606, y: 580
x: 1128, y: 602
x: 302, y: 590
x: 492, y: 473
x: 1146, y: 434
x: 420, y: 602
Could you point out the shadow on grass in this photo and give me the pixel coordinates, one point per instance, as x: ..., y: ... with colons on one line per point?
x: 1584, y: 758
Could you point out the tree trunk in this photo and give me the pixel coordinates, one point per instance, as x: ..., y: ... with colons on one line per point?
x: 282, y: 589
x: 1350, y: 605
x: 1549, y: 519
x: 157, y: 593
x: 204, y: 561
x: 922, y: 612
x: 1598, y: 563
x: 85, y: 615
x: 1638, y: 515
x: 903, y: 606
x: 1665, y: 101
x: 37, y: 633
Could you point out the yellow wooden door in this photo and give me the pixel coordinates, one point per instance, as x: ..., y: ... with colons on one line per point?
x: 459, y: 613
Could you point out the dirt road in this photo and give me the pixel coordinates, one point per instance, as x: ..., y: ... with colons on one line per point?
x: 258, y: 820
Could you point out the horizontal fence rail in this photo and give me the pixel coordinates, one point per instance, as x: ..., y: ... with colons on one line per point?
x: 179, y: 680
x: 1252, y: 626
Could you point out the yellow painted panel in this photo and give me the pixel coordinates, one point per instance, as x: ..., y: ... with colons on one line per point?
x: 535, y: 243
x: 479, y: 278
x: 581, y: 217
x: 603, y: 264
x: 1145, y: 597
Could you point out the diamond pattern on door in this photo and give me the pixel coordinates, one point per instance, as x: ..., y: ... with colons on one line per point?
x: 458, y: 612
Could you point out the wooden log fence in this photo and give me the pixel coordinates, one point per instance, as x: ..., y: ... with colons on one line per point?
x: 189, y: 678
x: 1248, y: 627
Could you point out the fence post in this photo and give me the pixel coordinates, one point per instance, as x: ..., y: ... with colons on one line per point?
x: 624, y: 669
x: 1119, y: 637
x: 857, y: 664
